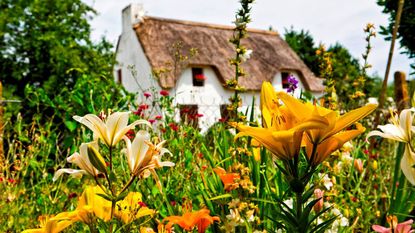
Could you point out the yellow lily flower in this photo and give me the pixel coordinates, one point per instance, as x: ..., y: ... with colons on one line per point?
x: 331, y: 144
x: 400, y: 130
x: 91, y: 205
x: 144, y: 157
x: 50, y: 225
x: 81, y: 159
x: 281, y: 135
x: 130, y: 209
x: 285, y: 144
x: 301, y: 111
x: 113, y: 129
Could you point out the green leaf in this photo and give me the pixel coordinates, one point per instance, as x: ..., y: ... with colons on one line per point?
x: 105, y: 196
x: 71, y: 125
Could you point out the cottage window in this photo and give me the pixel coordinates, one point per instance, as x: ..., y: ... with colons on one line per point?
x: 119, y: 76
x: 189, y: 114
x: 284, y: 80
x: 198, y: 77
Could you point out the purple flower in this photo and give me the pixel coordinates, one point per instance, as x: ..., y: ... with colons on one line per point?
x: 292, y: 83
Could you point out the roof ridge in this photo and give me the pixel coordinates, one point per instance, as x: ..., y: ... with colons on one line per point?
x: 207, y: 25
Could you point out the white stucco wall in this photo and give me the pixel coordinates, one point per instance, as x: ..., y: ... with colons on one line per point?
x: 213, y: 94
x: 135, y: 68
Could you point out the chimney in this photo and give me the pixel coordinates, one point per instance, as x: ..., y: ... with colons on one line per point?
x: 131, y: 15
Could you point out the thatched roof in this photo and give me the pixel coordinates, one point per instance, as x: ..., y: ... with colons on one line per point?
x: 271, y: 54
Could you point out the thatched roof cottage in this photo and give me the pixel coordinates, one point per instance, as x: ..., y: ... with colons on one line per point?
x: 150, y: 44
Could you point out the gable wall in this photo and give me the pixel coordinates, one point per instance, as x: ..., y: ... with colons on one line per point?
x: 131, y: 58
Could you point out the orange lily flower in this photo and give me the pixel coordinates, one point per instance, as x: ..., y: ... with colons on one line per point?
x: 228, y: 179
x: 200, y: 219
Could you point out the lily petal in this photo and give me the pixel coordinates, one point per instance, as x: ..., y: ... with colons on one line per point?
x: 351, y: 117
x: 73, y: 172
x: 407, y: 163
x: 333, y: 143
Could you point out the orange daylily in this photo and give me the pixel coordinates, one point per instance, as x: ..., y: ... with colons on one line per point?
x: 228, y: 179
x: 200, y: 219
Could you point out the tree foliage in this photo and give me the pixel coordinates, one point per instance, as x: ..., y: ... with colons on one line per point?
x: 345, y: 69
x: 406, y: 31
x: 303, y: 44
x: 50, y: 63
x: 41, y: 41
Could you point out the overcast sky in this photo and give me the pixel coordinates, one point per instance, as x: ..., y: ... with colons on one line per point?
x: 328, y: 21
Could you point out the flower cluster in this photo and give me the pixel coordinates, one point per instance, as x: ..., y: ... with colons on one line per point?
x: 292, y: 84
x: 95, y: 158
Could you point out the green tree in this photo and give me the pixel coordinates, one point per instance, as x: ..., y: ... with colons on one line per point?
x: 406, y: 31
x: 303, y: 44
x: 42, y: 40
x: 48, y: 60
x: 346, y: 69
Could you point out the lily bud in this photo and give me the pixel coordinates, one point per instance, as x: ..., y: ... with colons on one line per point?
x: 358, y: 165
x: 319, y: 205
x: 96, y: 159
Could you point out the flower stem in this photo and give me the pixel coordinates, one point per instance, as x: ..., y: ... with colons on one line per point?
x: 299, y: 199
x: 127, y: 185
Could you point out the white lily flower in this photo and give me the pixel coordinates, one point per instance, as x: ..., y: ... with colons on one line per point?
x: 400, y: 130
x: 81, y: 159
x: 113, y: 129
x: 144, y: 157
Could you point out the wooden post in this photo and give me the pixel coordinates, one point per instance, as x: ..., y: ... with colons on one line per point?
x: 401, y: 91
x: 1, y: 128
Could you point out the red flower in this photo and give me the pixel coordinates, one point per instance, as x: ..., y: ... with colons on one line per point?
x: 151, y: 121
x: 164, y: 93
x: 143, y: 107
x: 72, y: 195
x: 138, y: 112
x: 173, y: 126
x: 158, y: 117
x: 130, y: 134
x: 142, y: 204
x: 147, y: 94
x: 199, y: 115
x: 200, y: 77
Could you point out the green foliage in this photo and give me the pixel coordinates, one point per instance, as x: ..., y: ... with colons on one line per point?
x: 345, y: 69
x: 303, y: 44
x: 406, y: 31
x: 41, y: 43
